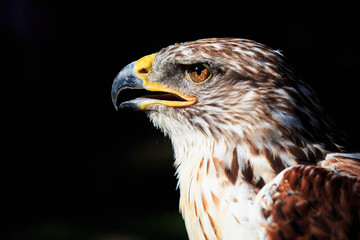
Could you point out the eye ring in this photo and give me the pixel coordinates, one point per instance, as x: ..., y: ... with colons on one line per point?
x: 198, y: 73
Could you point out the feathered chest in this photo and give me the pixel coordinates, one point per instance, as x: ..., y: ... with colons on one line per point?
x: 218, y: 184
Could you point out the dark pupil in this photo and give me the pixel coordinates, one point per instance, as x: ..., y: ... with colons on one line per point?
x: 198, y: 69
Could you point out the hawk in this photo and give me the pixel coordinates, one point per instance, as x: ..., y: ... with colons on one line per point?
x: 255, y: 153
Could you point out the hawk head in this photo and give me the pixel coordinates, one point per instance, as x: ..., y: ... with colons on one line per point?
x: 227, y: 89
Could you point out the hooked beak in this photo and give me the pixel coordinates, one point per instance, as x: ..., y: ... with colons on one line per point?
x: 134, y: 76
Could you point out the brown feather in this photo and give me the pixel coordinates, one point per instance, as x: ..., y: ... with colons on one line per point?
x: 343, y: 162
x: 314, y: 203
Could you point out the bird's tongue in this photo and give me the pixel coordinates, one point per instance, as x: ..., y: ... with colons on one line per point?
x: 165, y: 96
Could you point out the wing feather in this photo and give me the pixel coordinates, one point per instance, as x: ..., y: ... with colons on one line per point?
x: 348, y: 163
x: 310, y: 202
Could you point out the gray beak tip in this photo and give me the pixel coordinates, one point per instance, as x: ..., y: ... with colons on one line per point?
x: 126, y: 78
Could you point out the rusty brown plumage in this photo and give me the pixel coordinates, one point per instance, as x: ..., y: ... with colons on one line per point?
x: 311, y: 202
x: 343, y: 163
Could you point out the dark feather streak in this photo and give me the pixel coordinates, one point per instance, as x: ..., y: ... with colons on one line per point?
x: 233, y: 172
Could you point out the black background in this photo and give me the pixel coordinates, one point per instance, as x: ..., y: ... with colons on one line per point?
x: 81, y: 170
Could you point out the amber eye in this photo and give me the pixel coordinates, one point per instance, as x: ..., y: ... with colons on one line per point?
x: 198, y: 73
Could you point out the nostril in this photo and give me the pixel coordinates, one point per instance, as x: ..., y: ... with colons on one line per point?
x: 143, y: 71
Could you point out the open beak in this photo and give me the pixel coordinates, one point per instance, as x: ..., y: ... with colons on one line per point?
x: 134, y: 76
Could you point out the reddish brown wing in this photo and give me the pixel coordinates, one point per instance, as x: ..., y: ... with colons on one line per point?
x: 347, y: 163
x: 310, y: 202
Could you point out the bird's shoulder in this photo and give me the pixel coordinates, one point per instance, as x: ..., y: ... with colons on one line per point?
x: 311, y: 202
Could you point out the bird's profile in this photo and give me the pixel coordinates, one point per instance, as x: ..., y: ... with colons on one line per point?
x: 256, y: 156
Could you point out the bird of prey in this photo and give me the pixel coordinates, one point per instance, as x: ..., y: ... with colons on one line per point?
x: 256, y: 155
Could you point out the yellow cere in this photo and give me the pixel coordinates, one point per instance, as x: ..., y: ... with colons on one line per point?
x: 142, y: 69
x: 143, y: 66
